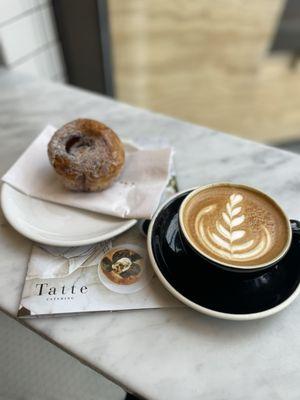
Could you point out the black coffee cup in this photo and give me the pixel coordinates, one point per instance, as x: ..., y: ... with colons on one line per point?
x: 190, y: 246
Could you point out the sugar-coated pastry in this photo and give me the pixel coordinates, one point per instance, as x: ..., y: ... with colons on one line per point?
x: 87, y: 155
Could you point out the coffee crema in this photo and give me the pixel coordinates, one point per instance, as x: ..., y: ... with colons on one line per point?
x: 235, y: 225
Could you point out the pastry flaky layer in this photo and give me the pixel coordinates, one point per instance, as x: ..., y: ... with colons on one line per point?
x: 87, y: 155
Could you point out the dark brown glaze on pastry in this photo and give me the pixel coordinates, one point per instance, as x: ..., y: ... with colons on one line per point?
x: 86, y: 154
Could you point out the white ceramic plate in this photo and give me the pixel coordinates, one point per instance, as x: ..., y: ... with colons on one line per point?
x: 55, y: 224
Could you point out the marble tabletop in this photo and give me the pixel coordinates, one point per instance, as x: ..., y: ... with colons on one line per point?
x: 169, y: 353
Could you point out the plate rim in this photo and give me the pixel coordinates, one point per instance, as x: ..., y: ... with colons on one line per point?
x: 195, y: 306
x: 128, y: 223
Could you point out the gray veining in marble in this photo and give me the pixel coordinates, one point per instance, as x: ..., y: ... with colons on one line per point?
x: 160, y: 354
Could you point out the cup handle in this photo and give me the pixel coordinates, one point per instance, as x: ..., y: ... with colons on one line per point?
x: 143, y: 225
x: 295, y: 226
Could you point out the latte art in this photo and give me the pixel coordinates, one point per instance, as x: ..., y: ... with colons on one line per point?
x: 235, y: 225
x: 224, y: 239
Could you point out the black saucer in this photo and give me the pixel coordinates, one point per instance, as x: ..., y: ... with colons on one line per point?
x: 201, y: 283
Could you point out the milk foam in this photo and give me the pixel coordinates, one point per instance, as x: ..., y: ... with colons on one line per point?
x: 237, y: 226
x: 225, y: 239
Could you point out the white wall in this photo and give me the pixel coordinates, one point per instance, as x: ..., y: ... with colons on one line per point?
x: 28, y: 38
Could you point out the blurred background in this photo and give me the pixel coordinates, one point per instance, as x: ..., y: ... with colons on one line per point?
x: 228, y: 64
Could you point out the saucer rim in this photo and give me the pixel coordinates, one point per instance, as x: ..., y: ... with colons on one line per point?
x: 195, y: 306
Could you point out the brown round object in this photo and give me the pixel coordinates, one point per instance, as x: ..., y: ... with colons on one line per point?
x: 86, y: 154
x: 129, y: 280
x: 123, y: 266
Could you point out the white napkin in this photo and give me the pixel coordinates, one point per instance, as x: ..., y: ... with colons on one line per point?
x: 135, y: 194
